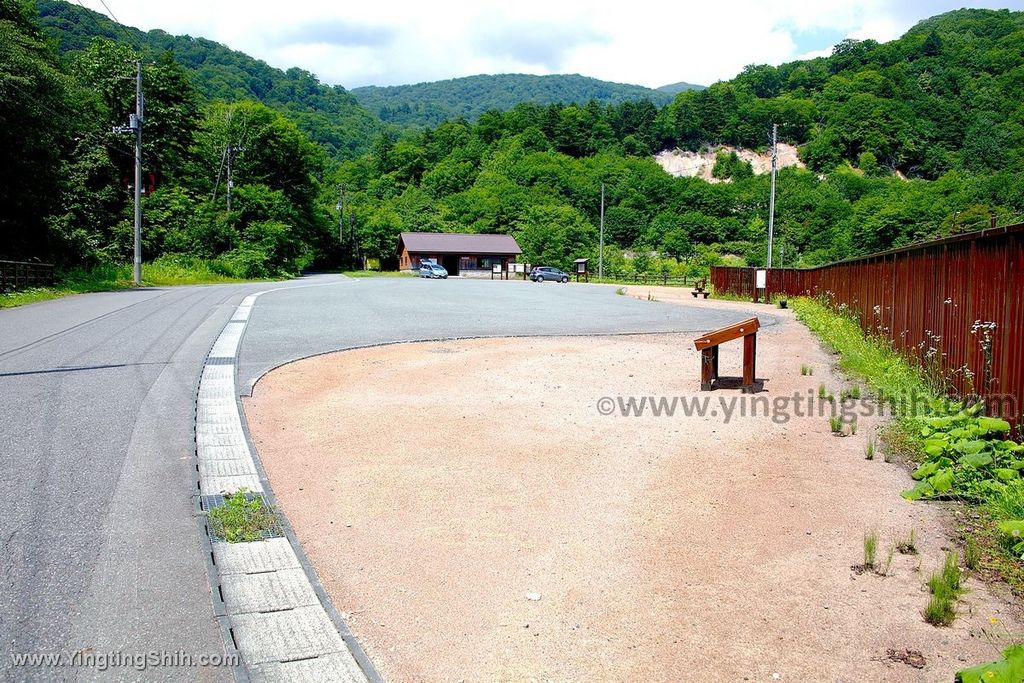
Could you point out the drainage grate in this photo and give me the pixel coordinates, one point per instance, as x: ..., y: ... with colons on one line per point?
x: 220, y: 360
x: 207, y: 503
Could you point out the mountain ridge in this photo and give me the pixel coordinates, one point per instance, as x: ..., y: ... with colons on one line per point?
x: 432, y: 102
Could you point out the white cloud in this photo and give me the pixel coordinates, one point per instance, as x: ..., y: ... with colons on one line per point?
x: 403, y: 41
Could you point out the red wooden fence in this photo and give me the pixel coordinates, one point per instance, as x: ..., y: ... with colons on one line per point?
x: 946, y: 295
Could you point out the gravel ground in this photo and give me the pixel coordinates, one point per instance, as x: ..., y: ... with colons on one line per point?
x: 440, y: 488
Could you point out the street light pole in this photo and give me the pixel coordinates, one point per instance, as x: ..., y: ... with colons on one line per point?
x: 771, y: 201
x: 600, y: 253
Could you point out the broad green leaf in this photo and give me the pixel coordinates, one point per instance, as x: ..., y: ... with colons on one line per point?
x: 922, y: 490
x: 1006, y: 474
x: 925, y: 470
x: 942, y: 480
x: 993, y: 424
x: 976, y: 459
x: 1012, y: 527
x: 974, y: 446
x: 1009, y: 669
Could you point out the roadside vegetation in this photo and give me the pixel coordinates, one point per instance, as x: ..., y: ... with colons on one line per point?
x: 165, y: 271
x: 244, y: 518
x: 957, y: 454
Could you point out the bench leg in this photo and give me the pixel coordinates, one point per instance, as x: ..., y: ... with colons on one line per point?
x: 749, y: 362
x: 708, y: 367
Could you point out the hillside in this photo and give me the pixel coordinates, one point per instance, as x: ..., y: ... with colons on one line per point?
x: 944, y: 96
x: 330, y: 115
x: 428, y: 104
x: 681, y: 86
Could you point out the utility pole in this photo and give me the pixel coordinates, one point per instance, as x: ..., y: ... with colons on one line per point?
x: 341, y: 214
x: 230, y: 184
x: 600, y: 253
x: 771, y: 201
x: 135, y: 127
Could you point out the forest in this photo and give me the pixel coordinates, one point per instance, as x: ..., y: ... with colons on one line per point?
x: 903, y: 141
x: 430, y: 104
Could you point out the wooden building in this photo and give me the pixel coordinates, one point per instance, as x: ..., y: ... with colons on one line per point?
x: 457, y: 252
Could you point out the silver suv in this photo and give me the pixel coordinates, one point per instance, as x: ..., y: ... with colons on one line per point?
x: 542, y: 273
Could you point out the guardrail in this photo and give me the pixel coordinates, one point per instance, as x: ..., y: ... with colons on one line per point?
x: 16, y: 275
x: 650, y: 279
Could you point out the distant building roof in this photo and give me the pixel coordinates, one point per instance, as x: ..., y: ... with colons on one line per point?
x: 458, y: 243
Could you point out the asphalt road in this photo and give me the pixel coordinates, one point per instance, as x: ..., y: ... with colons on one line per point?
x: 97, y: 397
x: 295, y: 323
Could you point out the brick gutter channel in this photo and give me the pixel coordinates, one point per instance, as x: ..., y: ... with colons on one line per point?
x: 270, y: 605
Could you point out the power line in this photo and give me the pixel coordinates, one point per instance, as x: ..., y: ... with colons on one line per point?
x: 40, y: 107
x: 133, y: 40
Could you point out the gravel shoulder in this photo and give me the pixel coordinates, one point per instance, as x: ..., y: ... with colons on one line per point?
x: 438, y: 486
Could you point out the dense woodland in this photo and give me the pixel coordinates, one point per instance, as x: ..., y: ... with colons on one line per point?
x: 905, y: 140
x: 430, y: 104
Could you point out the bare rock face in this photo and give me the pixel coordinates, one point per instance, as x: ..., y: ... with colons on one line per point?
x: 681, y: 163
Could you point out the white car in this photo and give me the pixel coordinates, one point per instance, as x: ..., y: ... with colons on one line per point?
x: 433, y: 270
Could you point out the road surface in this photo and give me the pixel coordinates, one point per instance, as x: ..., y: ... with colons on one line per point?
x: 100, y: 548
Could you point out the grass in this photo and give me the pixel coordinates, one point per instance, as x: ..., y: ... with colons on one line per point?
x: 621, y: 291
x: 908, y: 545
x: 972, y: 554
x: 869, y: 449
x: 870, y: 549
x: 885, y: 371
x: 822, y: 391
x: 836, y: 424
x: 850, y: 393
x: 941, y: 608
x: 243, y: 519
x: 165, y: 271
x: 945, y: 588
x: 853, y: 425
x: 806, y: 370
x: 379, y: 273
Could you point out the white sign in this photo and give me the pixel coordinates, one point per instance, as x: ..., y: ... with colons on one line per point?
x: 519, y: 267
x: 496, y: 268
x: 762, y: 278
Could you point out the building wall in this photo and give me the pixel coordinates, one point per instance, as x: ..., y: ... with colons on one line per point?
x: 411, y: 260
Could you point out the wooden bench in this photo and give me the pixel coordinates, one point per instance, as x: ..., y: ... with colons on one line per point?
x: 700, y: 287
x: 708, y: 347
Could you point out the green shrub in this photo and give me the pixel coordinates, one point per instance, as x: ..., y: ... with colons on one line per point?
x: 242, y: 519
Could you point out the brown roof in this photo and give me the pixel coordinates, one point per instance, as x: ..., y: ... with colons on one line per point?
x: 458, y: 243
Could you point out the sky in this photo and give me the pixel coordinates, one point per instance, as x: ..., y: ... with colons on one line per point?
x: 649, y: 43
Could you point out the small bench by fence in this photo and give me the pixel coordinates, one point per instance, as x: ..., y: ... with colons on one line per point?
x: 15, y: 275
x: 708, y: 347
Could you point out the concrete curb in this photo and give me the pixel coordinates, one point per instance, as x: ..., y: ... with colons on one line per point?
x: 276, y: 613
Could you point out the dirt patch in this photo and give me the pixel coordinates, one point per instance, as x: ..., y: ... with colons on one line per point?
x: 683, y: 163
x: 476, y: 517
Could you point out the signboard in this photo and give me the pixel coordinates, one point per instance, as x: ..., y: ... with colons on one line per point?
x: 518, y: 267
x: 496, y: 268
x: 762, y: 278
x: 581, y: 267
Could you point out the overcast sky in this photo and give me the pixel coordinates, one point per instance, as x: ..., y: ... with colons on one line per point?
x: 650, y: 43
